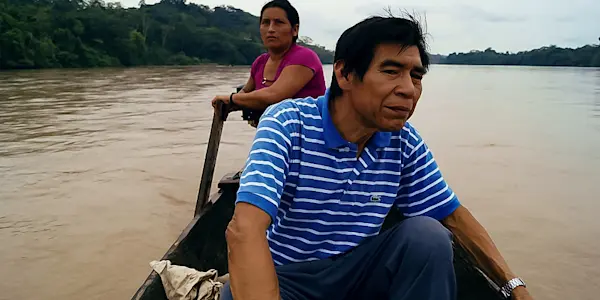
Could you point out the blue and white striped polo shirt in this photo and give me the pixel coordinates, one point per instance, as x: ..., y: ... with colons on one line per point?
x: 324, y: 201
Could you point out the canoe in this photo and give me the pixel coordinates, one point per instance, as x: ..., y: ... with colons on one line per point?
x: 202, y: 243
x: 202, y: 246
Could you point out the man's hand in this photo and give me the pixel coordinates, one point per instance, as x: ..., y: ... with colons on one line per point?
x: 469, y: 233
x: 521, y: 293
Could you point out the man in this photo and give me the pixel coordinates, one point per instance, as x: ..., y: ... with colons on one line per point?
x: 323, y: 174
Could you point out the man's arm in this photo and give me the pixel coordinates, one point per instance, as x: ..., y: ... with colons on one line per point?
x: 424, y: 192
x: 469, y: 233
x: 251, y: 267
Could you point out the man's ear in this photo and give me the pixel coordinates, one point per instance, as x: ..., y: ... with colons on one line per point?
x: 344, y: 80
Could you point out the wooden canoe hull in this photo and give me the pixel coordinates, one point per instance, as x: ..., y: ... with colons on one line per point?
x: 202, y: 246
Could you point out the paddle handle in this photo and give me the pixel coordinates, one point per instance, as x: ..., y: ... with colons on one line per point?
x: 210, y: 160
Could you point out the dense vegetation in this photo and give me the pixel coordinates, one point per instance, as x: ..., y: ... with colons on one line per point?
x: 587, y: 56
x: 92, y: 33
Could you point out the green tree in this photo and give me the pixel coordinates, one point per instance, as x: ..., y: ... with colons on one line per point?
x: 94, y: 33
x: 596, y: 60
x: 585, y: 56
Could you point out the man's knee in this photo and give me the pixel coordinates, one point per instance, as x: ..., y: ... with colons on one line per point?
x: 426, y: 236
x: 226, y: 292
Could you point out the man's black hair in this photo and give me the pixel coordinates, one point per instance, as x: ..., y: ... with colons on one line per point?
x: 356, y: 46
x: 290, y: 11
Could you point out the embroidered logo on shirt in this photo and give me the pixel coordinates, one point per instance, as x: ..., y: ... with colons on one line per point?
x: 375, y: 198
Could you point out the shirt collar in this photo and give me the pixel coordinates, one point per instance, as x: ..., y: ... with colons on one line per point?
x: 333, y: 138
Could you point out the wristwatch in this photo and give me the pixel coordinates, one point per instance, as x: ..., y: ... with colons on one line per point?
x: 507, y: 289
x: 231, y: 99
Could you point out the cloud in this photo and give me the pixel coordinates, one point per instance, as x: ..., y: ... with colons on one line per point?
x: 477, y: 14
x: 456, y: 26
x: 380, y: 9
x: 567, y: 19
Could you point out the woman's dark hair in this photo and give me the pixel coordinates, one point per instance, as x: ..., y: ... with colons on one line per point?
x: 356, y: 46
x: 290, y: 11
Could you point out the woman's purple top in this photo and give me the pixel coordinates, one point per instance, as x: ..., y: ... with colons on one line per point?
x: 297, y: 55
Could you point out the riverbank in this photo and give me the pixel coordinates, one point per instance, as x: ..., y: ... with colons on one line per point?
x: 552, y: 56
x: 89, y: 34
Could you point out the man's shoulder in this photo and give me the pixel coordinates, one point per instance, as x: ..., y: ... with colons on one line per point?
x: 294, y: 109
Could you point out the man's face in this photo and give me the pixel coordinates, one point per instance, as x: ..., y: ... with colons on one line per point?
x: 390, y: 89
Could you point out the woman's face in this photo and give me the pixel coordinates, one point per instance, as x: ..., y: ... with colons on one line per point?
x: 276, y: 31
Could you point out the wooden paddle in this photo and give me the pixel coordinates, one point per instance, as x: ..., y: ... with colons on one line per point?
x: 210, y: 160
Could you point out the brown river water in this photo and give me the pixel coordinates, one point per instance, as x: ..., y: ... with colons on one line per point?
x: 99, y: 170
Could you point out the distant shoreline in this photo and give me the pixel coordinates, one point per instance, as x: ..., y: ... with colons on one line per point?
x: 552, y: 56
x: 501, y: 65
x: 245, y: 65
x: 80, y: 34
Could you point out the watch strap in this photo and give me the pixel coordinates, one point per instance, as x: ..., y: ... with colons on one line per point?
x: 231, y: 99
x: 507, y: 289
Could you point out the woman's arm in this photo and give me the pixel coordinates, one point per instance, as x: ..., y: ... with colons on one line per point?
x: 249, y: 86
x: 292, y: 79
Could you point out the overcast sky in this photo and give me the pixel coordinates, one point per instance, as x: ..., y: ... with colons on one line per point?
x: 453, y: 25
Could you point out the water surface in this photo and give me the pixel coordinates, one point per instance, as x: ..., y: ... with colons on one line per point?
x: 99, y: 169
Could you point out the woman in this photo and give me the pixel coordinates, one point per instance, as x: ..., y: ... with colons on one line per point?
x: 286, y: 71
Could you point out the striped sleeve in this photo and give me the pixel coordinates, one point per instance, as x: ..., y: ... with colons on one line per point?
x: 423, y: 190
x: 263, y: 178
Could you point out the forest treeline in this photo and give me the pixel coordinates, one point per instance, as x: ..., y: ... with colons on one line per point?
x: 93, y: 33
x: 586, y: 56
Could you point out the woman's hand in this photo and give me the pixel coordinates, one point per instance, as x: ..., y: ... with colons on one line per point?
x: 226, y: 102
x: 222, y: 98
